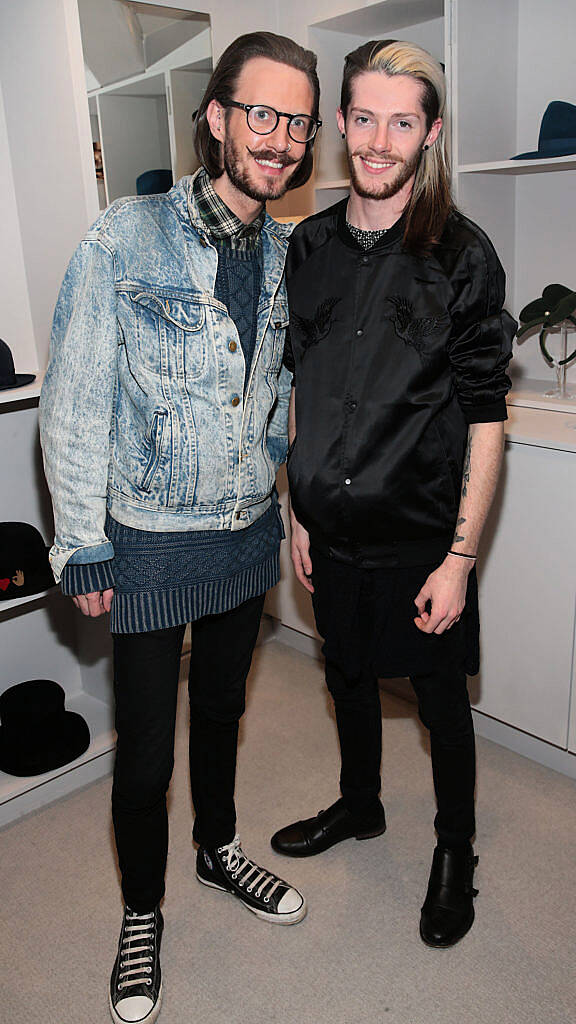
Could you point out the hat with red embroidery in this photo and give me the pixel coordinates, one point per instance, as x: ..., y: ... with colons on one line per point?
x: 37, y: 734
x: 8, y: 377
x: 24, y: 565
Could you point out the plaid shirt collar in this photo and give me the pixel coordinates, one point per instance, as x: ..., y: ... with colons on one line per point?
x: 219, y: 219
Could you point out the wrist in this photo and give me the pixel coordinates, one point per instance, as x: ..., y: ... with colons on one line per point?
x: 462, y: 554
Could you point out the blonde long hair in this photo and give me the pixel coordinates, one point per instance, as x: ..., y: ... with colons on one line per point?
x: 431, y: 201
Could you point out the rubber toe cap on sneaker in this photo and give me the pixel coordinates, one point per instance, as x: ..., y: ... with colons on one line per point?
x: 292, y: 905
x: 135, y: 1010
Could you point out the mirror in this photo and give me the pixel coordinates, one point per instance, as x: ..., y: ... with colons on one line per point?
x: 146, y: 70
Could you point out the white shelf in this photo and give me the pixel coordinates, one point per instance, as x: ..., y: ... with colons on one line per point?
x: 343, y: 183
x: 531, y: 396
x: 99, y: 717
x: 16, y: 602
x: 22, y: 394
x: 560, y: 163
x: 541, y: 428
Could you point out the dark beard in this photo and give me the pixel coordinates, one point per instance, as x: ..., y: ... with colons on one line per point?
x: 241, y: 180
x: 383, y: 190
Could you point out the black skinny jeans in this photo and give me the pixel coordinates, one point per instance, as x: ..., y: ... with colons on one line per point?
x: 146, y: 670
x: 444, y: 708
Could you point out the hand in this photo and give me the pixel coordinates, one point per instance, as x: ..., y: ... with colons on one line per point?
x: 300, y: 552
x: 445, y: 588
x: 94, y: 604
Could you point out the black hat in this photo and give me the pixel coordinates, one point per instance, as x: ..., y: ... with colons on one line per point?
x: 8, y: 378
x: 557, y: 132
x: 37, y: 735
x: 24, y: 565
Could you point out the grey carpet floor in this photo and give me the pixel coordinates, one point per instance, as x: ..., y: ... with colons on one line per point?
x: 357, y: 957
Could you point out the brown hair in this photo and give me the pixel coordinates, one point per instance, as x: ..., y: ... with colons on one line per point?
x: 431, y: 201
x: 222, y: 86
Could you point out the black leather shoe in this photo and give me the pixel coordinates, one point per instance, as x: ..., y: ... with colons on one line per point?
x: 306, y: 838
x: 448, y: 910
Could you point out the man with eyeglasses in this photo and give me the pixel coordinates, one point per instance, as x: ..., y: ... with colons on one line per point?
x: 164, y: 419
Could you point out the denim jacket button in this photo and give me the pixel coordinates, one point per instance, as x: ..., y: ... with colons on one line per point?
x: 232, y: 346
x: 235, y: 400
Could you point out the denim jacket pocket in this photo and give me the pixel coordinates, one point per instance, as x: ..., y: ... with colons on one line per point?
x: 156, y: 435
x: 178, y: 323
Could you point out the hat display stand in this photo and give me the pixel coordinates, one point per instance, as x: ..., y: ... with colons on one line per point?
x: 561, y: 388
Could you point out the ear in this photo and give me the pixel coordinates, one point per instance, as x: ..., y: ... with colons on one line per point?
x: 215, y: 118
x: 341, y: 121
x: 434, y: 132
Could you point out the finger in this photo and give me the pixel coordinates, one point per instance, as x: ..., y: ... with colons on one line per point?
x: 299, y: 570
x: 107, y: 597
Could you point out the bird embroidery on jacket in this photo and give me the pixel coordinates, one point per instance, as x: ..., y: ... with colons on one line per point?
x: 316, y: 328
x: 408, y: 327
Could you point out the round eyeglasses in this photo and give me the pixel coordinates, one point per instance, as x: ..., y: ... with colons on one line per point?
x: 264, y: 120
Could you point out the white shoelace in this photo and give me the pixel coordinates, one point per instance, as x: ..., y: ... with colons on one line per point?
x: 139, y: 929
x: 240, y: 866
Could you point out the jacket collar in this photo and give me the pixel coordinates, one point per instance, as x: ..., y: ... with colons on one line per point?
x: 182, y: 198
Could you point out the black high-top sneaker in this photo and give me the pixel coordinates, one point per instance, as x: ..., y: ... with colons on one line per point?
x: 228, y: 869
x: 136, y: 982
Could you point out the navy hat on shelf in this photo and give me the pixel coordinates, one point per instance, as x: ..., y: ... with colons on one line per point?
x: 37, y: 734
x: 8, y: 377
x: 24, y: 565
x: 557, y: 132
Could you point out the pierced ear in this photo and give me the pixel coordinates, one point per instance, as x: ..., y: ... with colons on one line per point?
x: 214, y: 116
x: 341, y: 122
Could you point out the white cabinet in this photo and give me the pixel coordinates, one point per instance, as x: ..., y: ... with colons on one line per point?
x: 527, y: 593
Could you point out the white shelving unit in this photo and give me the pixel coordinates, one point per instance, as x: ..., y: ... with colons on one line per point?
x: 42, y: 637
x: 144, y: 122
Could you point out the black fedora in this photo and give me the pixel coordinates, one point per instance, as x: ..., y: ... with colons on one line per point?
x: 37, y: 734
x: 24, y: 565
x: 8, y: 377
x: 557, y: 132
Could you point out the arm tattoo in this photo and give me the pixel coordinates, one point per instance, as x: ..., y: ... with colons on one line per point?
x: 457, y: 537
x: 466, y: 467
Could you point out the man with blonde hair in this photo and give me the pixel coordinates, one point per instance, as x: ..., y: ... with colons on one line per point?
x: 399, y: 352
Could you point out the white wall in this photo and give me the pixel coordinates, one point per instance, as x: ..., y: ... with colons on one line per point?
x: 134, y: 138
x: 16, y: 326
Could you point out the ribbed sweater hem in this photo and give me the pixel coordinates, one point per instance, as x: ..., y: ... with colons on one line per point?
x: 141, y: 612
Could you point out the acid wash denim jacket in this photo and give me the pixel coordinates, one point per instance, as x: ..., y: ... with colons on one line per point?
x: 144, y: 409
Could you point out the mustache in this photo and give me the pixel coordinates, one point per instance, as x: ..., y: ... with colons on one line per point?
x: 381, y: 157
x: 270, y: 154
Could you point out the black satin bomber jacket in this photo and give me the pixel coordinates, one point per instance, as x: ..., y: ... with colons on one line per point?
x: 393, y: 356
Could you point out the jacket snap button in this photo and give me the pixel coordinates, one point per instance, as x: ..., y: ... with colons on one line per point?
x: 359, y: 333
x: 347, y: 480
x: 235, y: 400
x: 232, y: 346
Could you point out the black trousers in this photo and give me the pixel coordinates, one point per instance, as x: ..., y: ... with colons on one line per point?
x: 146, y: 670
x: 366, y: 618
x: 444, y: 708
